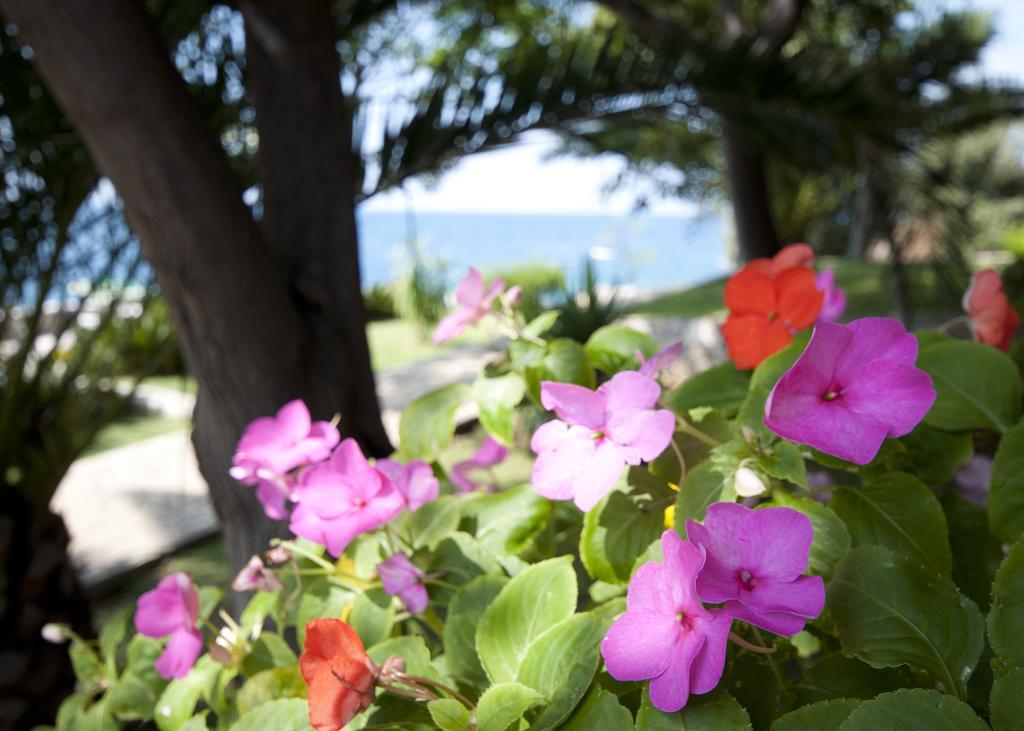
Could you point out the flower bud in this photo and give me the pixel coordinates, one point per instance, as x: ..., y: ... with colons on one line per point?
x: 747, y: 483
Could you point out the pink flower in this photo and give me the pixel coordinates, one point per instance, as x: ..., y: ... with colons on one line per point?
x: 254, y: 576
x: 851, y: 388
x: 401, y: 578
x: 755, y: 564
x: 834, y: 304
x: 341, y: 498
x: 273, y: 446
x: 474, y: 303
x: 489, y: 454
x: 666, y: 633
x: 414, y: 480
x: 581, y: 454
x: 660, y: 361
x: 171, y: 609
x: 993, y: 319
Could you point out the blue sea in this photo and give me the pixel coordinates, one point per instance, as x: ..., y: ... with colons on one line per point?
x: 649, y: 252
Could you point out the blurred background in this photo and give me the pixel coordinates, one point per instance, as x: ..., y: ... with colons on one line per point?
x: 209, y: 209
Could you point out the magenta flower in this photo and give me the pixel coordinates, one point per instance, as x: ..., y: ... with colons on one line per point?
x: 756, y: 561
x: 851, y: 388
x: 834, y: 304
x: 666, y: 633
x: 414, y: 480
x: 581, y: 455
x: 660, y: 361
x: 273, y: 446
x: 400, y: 577
x: 489, y: 454
x: 474, y: 302
x: 341, y: 498
x: 171, y: 609
x: 254, y: 576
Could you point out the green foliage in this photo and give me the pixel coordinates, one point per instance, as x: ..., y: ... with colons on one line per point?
x: 890, y: 611
x: 585, y: 310
x: 540, y: 284
x: 512, y: 636
x: 379, y: 301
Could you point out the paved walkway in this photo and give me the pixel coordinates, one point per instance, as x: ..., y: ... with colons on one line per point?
x: 128, y: 506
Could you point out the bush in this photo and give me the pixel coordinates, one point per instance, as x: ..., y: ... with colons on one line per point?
x: 420, y: 291
x: 542, y: 284
x: 798, y: 542
x: 584, y: 310
x: 379, y: 301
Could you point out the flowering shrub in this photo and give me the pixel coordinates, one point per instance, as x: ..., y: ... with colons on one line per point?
x: 801, y: 546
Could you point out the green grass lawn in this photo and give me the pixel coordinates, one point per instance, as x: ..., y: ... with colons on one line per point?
x: 396, y: 343
x: 133, y: 428
x: 869, y: 290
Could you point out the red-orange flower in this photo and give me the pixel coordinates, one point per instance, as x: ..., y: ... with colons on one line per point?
x: 794, y: 255
x: 765, y: 310
x: 993, y: 319
x: 339, y: 673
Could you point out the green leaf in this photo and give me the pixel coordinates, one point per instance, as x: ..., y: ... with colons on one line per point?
x: 428, y: 423
x: 1006, y: 618
x: 269, y: 685
x: 112, y: 635
x: 913, y: 709
x: 209, y: 598
x: 898, y: 512
x: 720, y: 387
x: 319, y: 598
x: 504, y: 703
x: 599, y: 710
x: 561, y: 663
x: 717, y: 711
x: 86, y: 663
x: 449, y: 715
x: 1007, y: 701
x: 710, y: 481
x: 458, y: 558
x: 496, y: 399
x: 411, y: 649
x: 978, y: 387
x: 508, y: 521
x: 783, y: 461
x: 531, y: 603
x: 831, y: 539
x: 372, y: 615
x: 464, y: 612
x: 821, y: 715
x: 976, y: 553
x: 285, y: 714
x: 135, y: 693
x: 74, y: 716
x: 835, y: 676
x: 617, y: 530
x: 541, y: 323
x: 268, y: 651
x: 566, y: 362
x: 765, y: 376
x: 433, y: 522
x: 178, y: 701
x: 613, y: 348
x: 931, y: 454
x: 1006, y: 495
x: 891, y: 612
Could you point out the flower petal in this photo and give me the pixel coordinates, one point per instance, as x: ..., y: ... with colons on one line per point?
x: 470, y: 291
x: 798, y: 296
x: 180, y: 654
x: 629, y: 391
x: 750, y: 292
x: 639, y: 645
x: 574, y: 404
x: 709, y: 663
x: 752, y: 338
x: 891, y: 393
x: 671, y: 690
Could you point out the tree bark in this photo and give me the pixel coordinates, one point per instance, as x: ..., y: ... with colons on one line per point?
x: 306, y: 169
x: 751, y: 206
x: 249, y: 328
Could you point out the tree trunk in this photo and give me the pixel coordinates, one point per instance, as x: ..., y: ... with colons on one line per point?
x: 39, y: 586
x: 751, y: 206
x: 250, y: 325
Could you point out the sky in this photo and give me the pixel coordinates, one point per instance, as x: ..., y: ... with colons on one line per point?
x: 523, y: 179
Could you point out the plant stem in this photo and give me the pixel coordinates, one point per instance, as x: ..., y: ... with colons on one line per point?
x: 687, y: 428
